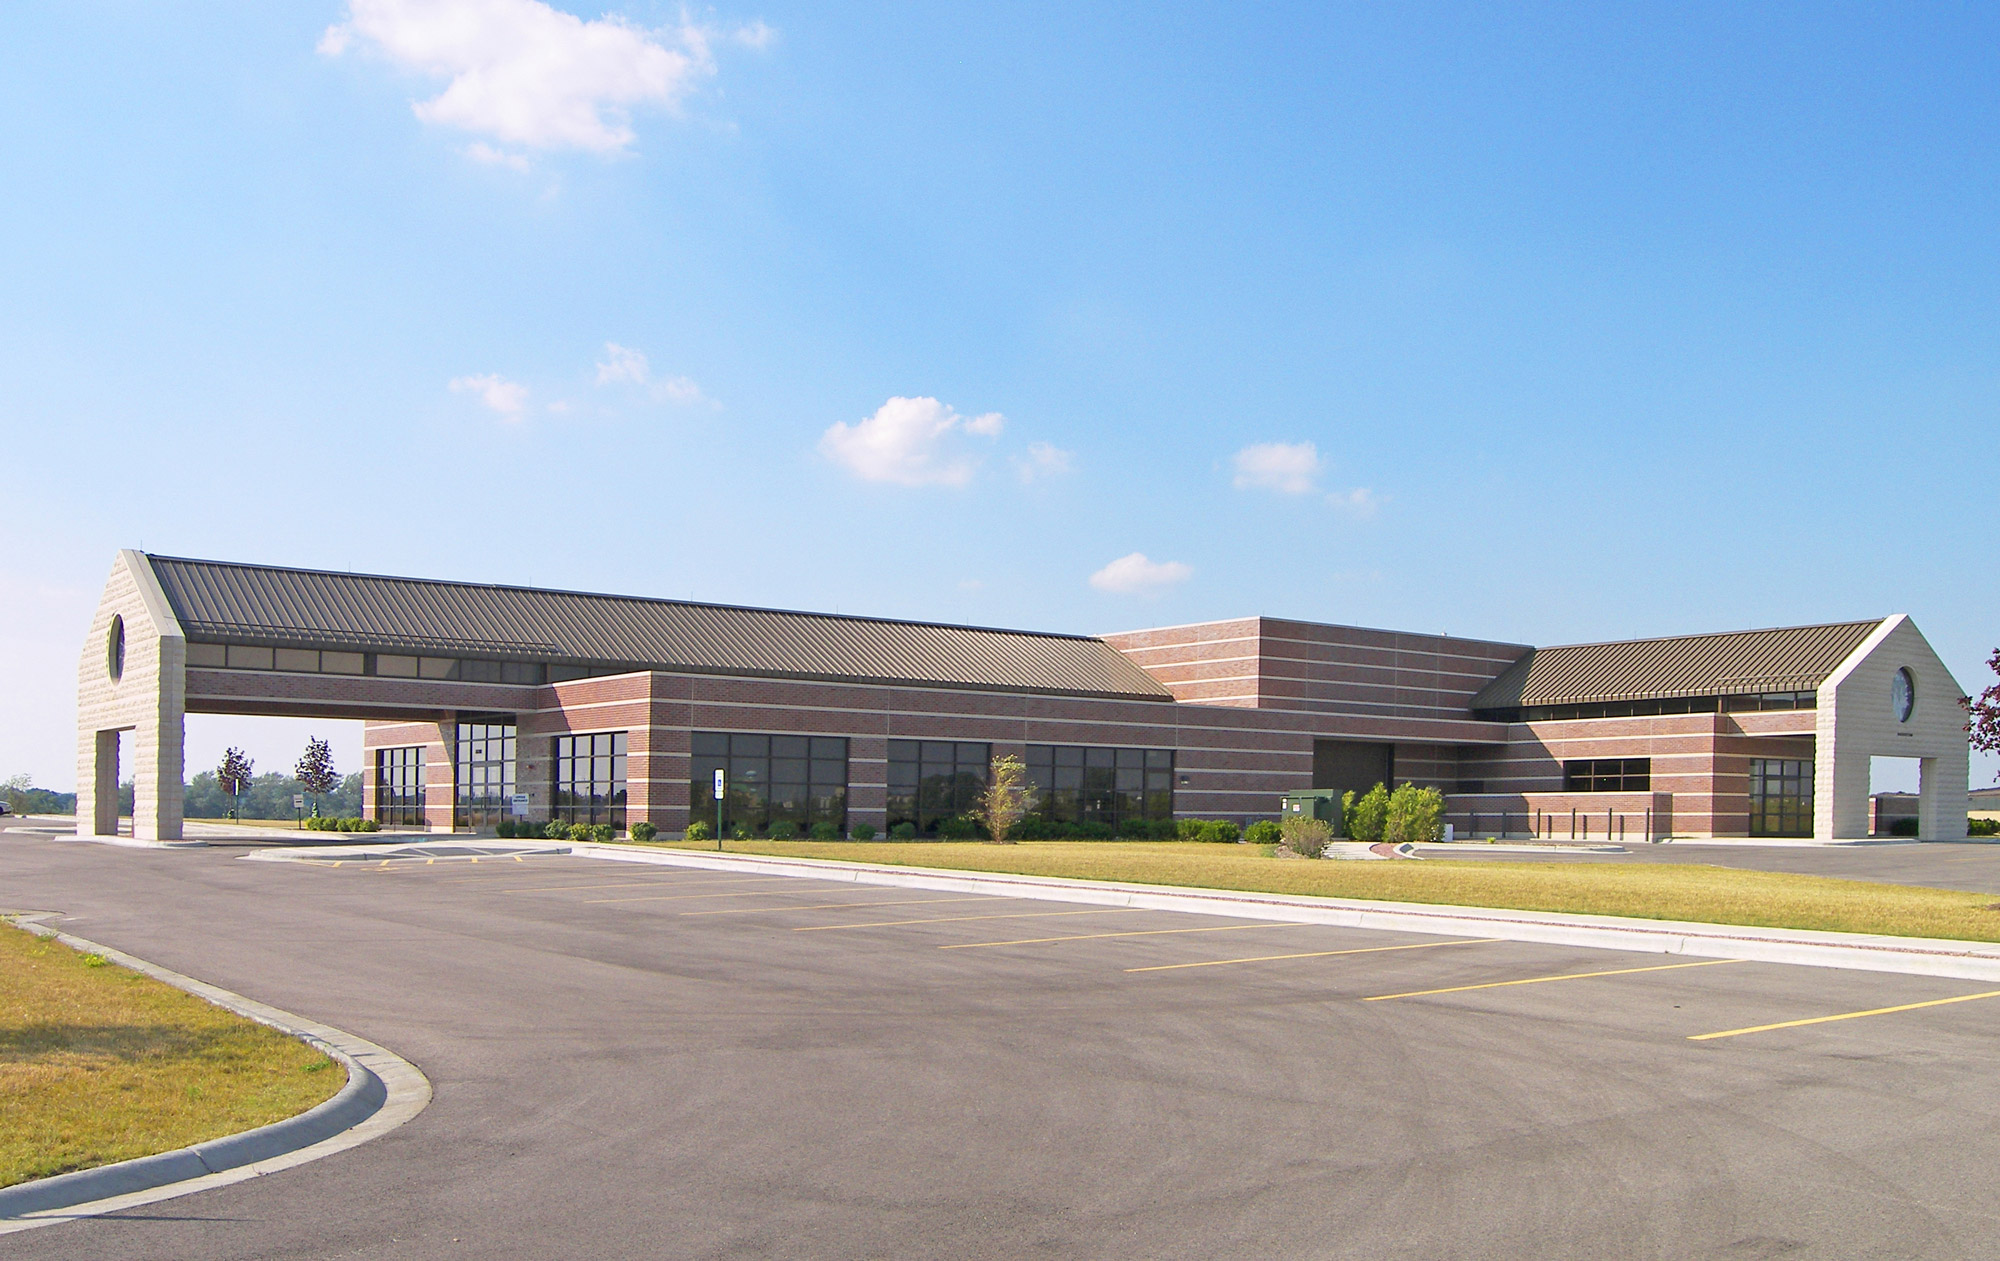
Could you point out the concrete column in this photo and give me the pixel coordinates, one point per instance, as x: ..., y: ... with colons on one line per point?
x: 158, y: 787
x: 97, y: 784
x: 1941, y: 787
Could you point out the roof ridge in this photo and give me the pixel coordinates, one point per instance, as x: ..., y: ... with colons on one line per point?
x: 1723, y: 634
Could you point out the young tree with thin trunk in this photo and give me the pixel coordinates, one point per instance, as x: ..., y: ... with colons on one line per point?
x: 315, y: 771
x: 1006, y: 799
x: 234, y: 777
x: 1983, y: 723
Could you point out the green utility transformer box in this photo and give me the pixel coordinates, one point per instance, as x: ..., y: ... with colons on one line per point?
x: 1313, y: 803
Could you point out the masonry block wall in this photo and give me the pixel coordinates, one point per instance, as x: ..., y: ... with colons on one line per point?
x: 1857, y: 721
x: 131, y: 682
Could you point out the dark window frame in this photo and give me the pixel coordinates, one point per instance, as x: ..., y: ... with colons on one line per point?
x: 773, y: 776
x: 587, y: 778
x: 1781, y: 797
x: 1101, y: 784
x: 1608, y: 775
x: 483, y: 770
x: 399, y: 786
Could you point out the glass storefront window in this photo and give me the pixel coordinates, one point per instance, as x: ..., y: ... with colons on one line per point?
x: 399, y: 787
x: 800, y: 779
x: 483, y: 756
x: 590, y: 779
x: 1781, y: 796
x: 934, y: 780
x: 1078, y: 784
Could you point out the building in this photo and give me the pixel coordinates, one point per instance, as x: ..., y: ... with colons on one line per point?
x: 483, y: 700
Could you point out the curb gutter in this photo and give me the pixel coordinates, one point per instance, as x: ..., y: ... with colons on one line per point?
x: 1916, y: 956
x: 383, y: 1090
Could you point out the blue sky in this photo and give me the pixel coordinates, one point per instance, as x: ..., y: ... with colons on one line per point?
x: 1520, y: 323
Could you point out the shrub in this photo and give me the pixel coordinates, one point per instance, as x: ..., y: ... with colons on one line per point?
x: 1982, y: 827
x: 1190, y: 829
x: 555, y: 830
x: 643, y: 831
x: 1222, y: 832
x: 1906, y: 827
x: 699, y: 831
x: 1135, y: 829
x: 1166, y: 829
x: 862, y: 831
x: 1415, y: 816
x: 1089, y: 830
x: 1365, y: 818
x: 1034, y: 829
x: 504, y: 829
x: 581, y: 832
x: 823, y: 831
x: 783, y: 829
x: 1263, y: 832
x: 368, y: 825
x: 740, y: 832
x: 904, y: 831
x: 957, y: 828
x: 603, y: 833
x: 1306, y: 837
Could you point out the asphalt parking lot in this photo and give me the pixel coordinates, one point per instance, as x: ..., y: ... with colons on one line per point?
x: 649, y: 1061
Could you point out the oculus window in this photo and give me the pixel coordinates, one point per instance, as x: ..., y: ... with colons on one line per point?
x: 1608, y: 775
x: 1077, y: 784
x: 800, y: 779
x: 934, y: 780
x: 590, y: 779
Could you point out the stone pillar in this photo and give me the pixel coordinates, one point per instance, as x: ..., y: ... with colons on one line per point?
x: 97, y: 784
x: 1941, y: 805
x: 132, y: 676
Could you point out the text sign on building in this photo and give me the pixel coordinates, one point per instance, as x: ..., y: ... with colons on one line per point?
x: 518, y: 804
x: 721, y: 779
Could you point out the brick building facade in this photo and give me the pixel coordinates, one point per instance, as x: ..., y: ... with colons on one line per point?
x: 487, y: 702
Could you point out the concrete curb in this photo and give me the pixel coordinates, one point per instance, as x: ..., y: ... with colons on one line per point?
x: 383, y: 1090
x: 126, y: 842
x: 1916, y: 956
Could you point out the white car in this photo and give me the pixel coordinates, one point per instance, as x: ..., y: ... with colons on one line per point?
x: 5, y: 808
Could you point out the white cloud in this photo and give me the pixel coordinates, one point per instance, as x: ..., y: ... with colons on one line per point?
x: 506, y: 397
x: 1136, y: 575
x: 907, y: 441
x: 622, y: 363
x: 1044, y: 460
x: 683, y: 390
x: 480, y: 151
x: 1360, y: 502
x: 1290, y: 468
x: 754, y: 35
x: 528, y: 75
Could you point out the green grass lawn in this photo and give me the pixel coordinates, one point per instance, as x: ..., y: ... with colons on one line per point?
x: 100, y: 1064
x: 1676, y: 891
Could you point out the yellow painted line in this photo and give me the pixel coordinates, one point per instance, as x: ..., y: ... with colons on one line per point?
x: 1137, y: 932
x: 961, y: 919
x: 1321, y: 954
x: 1846, y: 1015
x: 688, y: 897
x: 824, y: 906
x: 429, y: 861
x: 1537, y: 980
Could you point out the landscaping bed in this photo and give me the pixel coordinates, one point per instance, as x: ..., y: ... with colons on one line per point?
x: 1667, y: 891
x: 100, y: 1064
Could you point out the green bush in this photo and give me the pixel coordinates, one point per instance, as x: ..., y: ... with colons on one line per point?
x: 1263, y: 832
x: 740, y: 832
x: 1306, y: 837
x: 1221, y: 832
x: 1190, y: 829
x: 580, y: 832
x: 1088, y: 830
x: 699, y: 831
x: 1135, y: 829
x: 1034, y: 828
x: 603, y: 833
x: 1364, y: 819
x: 823, y: 831
x: 369, y: 825
x: 643, y: 831
x: 957, y: 828
x: 555, y: 830
x: 1982, y: 827
x: 1906, y: 827
x: 904, y: 831
x: 862, y: 831
x: 1416, y: 816
x: 504, y: 829
x: 783, y: 829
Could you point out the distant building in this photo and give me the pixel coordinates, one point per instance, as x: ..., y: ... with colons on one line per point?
x: 1984, y: 802
x: 483, y: 701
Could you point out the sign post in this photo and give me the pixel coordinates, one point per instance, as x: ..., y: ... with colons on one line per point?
x: 721, y: 789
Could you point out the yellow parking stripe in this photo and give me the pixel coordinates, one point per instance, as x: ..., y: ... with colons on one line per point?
x: 1846, y: 1015
x: 1321, y: 954
x: 689, y: 897
x: 1537, y: 980
x: 826, y: 906
x: 961, y: 919
x: 1137, y: 932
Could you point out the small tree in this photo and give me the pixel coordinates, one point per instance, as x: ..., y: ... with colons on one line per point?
x: 1005, y: 800
x: 1365, y: 818
x: 234, y: 777
x: 315, y: 771
x: 1983, y: 722
x: 1414, y: 815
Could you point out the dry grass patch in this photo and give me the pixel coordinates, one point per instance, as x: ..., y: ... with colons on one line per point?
x: 1672, y: 891
x: 100, y: 1064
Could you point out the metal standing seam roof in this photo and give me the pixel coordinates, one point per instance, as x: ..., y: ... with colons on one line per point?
x: 264, y: 604
x: 1785, y: 659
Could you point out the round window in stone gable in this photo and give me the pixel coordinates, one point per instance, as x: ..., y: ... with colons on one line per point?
x: 114, y: 648
x: 1903, y: 694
